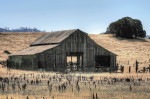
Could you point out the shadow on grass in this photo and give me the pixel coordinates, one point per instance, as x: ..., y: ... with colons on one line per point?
x: 131, y: 40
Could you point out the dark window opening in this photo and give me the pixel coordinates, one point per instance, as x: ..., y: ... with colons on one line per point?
x: 39, y: 65
x: 102, y: 60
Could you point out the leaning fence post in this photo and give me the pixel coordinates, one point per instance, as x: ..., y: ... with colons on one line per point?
x: 149, y: 68
x: 96, y: 96
x: 93, y: 96
x: 137, y: 66
x: 27, y: 97
x: 144, y: 69
x: 130, y: 88
x: 129, y: 69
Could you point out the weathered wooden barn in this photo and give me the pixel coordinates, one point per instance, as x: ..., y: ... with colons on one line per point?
x: 63, y: 50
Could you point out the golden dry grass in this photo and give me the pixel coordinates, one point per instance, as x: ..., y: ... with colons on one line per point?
x: 16, y: 41
x: 119, y: 90
x: 128, y: 50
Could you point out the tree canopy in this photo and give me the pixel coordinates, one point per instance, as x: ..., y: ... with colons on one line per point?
x: 127, y: 28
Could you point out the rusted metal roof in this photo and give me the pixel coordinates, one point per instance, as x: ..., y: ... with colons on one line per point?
x: 53, y: 37
x: 34, y: 50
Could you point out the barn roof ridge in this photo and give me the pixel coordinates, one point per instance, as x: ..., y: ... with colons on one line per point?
x: 54, y: 37
x: 64, y: 30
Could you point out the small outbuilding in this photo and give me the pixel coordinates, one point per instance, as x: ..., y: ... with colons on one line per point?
x: 62, y: 51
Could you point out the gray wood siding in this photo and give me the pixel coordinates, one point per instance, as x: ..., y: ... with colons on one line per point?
x: 23, y: 61
x: 77, y: 42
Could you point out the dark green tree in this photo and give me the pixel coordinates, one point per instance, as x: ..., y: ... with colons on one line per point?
x: 127, y: 28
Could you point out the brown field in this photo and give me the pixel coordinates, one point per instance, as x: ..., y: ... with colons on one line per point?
x: 13, y: 42
x: 73, y: 85
x: 77, y: 85
x: 128, y: 50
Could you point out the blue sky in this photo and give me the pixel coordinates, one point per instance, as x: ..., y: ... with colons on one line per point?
x: 91, y: 16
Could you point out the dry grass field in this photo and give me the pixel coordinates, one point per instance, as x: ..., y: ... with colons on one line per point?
x: 21, y: 84
x: 128, y: 50
x: 13, y: 42
x: 50, y: 85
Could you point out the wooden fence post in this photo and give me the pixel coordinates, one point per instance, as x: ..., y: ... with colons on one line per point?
x: 149, y: 68
x: 129, y: 69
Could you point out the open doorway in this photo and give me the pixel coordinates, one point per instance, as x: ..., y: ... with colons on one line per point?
x: 74, y: 61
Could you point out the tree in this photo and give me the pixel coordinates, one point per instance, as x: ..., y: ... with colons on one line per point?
x: 127, y: 28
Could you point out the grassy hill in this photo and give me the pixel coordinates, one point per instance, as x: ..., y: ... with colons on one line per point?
x: 128, y: 51
x: 13, y: 42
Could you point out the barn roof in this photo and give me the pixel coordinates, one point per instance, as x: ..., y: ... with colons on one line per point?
x: 34, y: 50
x: 53, y: 37
x: 51, y: 40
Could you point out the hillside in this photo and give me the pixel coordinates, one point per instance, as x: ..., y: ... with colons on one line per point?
x: 128, y: 51
x: 13, y: 42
